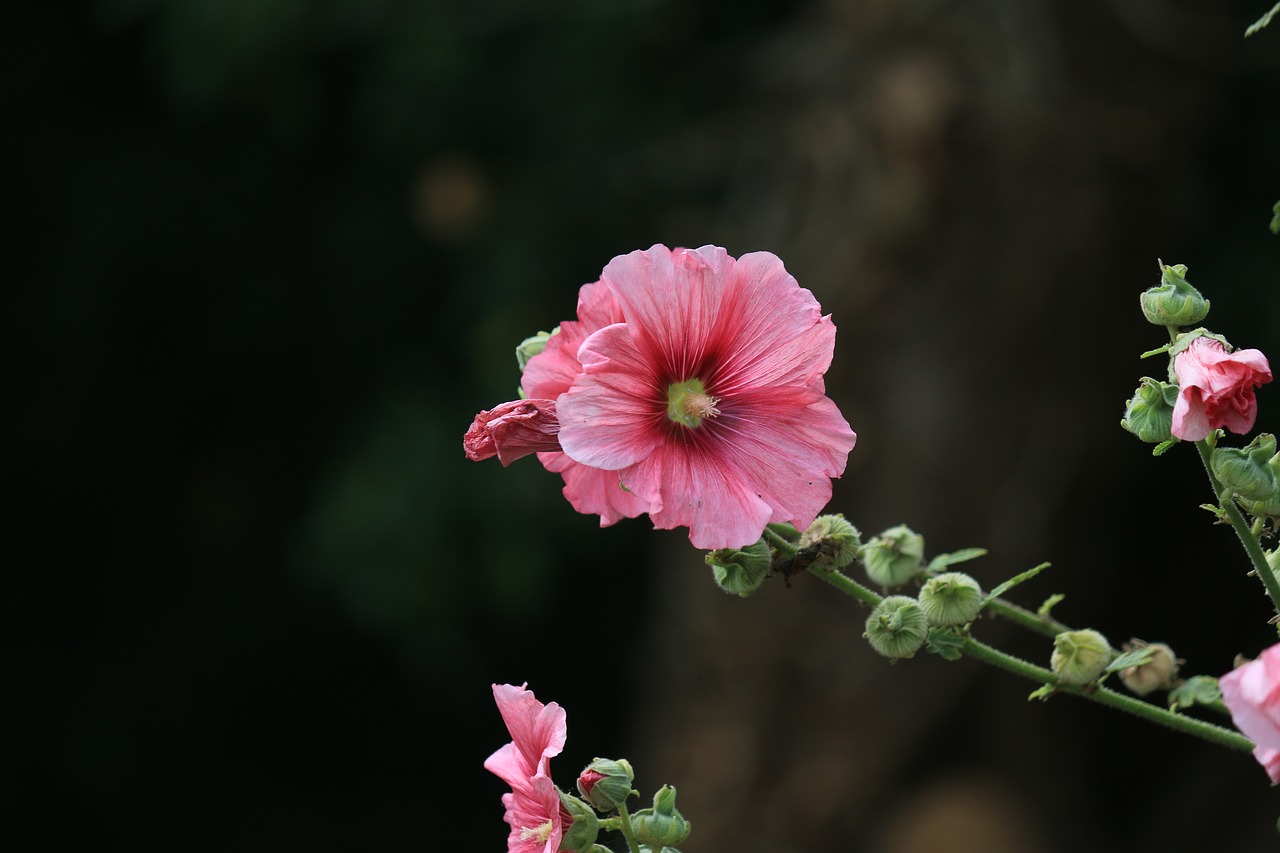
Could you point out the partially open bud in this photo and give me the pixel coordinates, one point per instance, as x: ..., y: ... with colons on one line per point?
x: 606, y: 783
x: 662, y: 825
x: 951, y: 598
x: 894, y: 557
x: 1079, y: 657
x: 580, y: 835
x: 837, y: 540
x: 533, y: 345
x: 741, y: 571
x: 1158, y: 673
x: 896, y: 627
x: 1174, y: 302
x: 1148, y: 414
x: 1247, y: 471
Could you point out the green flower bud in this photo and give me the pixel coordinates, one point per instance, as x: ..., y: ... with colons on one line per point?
x: 606, y: 783
x: 1148, y: 414
x: 896, y: 627
x: 1158, y: 673
x: 837, y: 541
x: 1079, y: 657
x: 894, y: 557
x: 741, y: 571
x: 533, y: 345
x: 662, y: 825
x: 1174, y: 302
x: 580, y: 835
x: 951, y: 598
x: 1246, y: 471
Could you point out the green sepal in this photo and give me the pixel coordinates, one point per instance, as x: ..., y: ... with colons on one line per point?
x: 1042, y: 693
x: 1049, y: 603
x: 1012, y: 582
x: 945, y: 644
x: 1136, y: 657
x: 962, y: 556
x: 1196, y: 690
x: 1253, y: 28
x: 1275, y: 220
x: 1160, y: 448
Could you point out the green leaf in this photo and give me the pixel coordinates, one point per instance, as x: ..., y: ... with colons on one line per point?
x: 1042, y: 693
x: 963, y: 555
x: 1275, y: 220
x: 1196, y: 690
x: 1137, y: 657
x: 1049, y: 604
x: 1262, y: 22
x: 1014, y: 581
x: 945, y: 644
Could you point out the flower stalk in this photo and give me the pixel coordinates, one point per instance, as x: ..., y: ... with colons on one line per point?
x: 1243, y: 532
x: 1094, y: 693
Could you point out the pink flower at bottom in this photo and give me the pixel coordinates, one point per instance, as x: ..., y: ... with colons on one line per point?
x: 1216, y: 389
x: 1252, y: 693
x: 533, y: 808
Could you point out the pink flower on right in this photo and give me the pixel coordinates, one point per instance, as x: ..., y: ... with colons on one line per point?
x: 1216, y: 389
x: 1252, y: 693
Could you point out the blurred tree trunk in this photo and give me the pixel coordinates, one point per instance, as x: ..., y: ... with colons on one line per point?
x: 978, y: 193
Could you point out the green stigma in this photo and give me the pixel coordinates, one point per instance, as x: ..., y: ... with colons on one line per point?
x: 689, y: 403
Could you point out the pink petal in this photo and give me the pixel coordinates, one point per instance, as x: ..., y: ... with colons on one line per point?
x: 537, y: 732
x: 691, y: 489
x: 594, y: 491
x: 613, y: 414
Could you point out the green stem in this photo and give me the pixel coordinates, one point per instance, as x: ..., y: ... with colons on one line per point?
x: 1250, y: 542
x: 1105, y: 696
x: 1102, y: 695
x: 1044, y: 625
x: 779, y: 543
x: 624, y: 826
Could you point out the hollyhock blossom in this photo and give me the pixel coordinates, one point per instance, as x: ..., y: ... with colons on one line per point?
x: 1216, y: 389
x: 708, y: 399
x: 513, y: 430
x: 533, y: 808
x: 1252, y: 693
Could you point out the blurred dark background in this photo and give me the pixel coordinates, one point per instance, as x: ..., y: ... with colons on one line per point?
x: 267, y: 258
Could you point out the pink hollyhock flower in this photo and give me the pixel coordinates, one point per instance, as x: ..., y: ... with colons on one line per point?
x: 533, y: 808
x: 708, y: 399
x: 1252, y: 693
x: 513, y: 430
x: 1216, y: 389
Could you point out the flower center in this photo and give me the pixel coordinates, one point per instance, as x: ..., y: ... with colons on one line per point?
x: 689, y: 403
x: 538, y: 833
